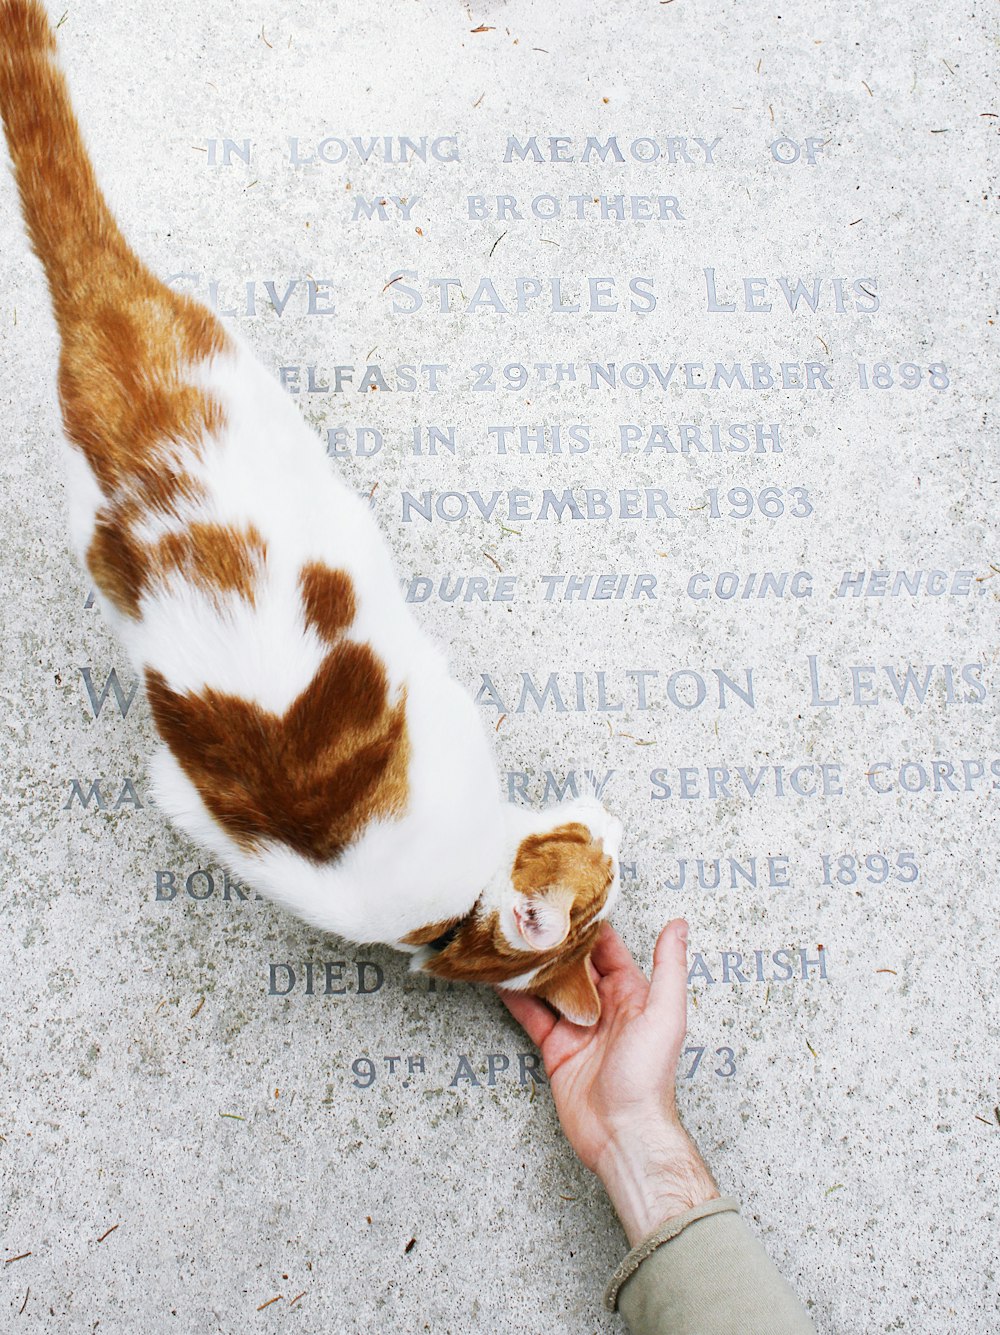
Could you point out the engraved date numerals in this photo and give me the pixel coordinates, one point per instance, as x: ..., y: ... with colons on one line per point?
x: 725, y: 1068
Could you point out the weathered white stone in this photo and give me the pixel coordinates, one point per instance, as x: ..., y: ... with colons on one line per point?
x: 680, y: 318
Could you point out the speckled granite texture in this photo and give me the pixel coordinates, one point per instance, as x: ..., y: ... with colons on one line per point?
x: 701, y: 303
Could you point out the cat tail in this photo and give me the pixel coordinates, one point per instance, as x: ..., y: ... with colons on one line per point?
x: 67, y: 218
x: 130, y: 387
x: 128, y: 340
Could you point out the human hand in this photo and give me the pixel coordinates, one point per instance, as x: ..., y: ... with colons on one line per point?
x: 613, y: 1084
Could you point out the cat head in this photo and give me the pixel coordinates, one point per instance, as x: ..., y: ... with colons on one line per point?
x: 533, y: 928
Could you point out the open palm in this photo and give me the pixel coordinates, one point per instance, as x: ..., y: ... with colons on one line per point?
x: 613, y: 1084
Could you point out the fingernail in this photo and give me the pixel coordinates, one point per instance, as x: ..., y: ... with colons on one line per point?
x: 682, y: 932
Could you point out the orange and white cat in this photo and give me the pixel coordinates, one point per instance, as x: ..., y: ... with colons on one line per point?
x: 314, y: 739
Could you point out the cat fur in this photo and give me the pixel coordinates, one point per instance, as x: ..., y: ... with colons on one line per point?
x: 315, y: 742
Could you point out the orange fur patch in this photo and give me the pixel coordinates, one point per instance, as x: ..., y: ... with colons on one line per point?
x: 213, y: 558
x: 116, y: 559
x: 569, y: 856
x: 327, y: 600
x: 312, y: 778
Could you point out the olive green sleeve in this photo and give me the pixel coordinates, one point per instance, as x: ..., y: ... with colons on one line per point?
x: 705, y: 1273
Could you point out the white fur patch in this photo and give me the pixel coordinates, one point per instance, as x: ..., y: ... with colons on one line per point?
x: 522, y: 982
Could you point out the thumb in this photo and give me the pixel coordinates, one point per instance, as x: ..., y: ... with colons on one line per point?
x: 667, y: 1004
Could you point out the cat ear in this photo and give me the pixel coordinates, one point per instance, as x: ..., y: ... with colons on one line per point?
x: 543, y: 920
x: 573, y: 994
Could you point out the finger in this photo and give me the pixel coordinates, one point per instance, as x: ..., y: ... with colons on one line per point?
x: 610, y: 955
x: 668, y: 988
x: 534, y: 1017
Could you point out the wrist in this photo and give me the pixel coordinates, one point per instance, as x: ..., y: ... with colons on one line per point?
x: 653, y: 1177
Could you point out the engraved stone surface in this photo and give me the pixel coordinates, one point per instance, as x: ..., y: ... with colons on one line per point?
x: 661, y: 338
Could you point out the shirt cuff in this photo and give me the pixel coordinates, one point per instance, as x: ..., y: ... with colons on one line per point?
x: 663, y: 1234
